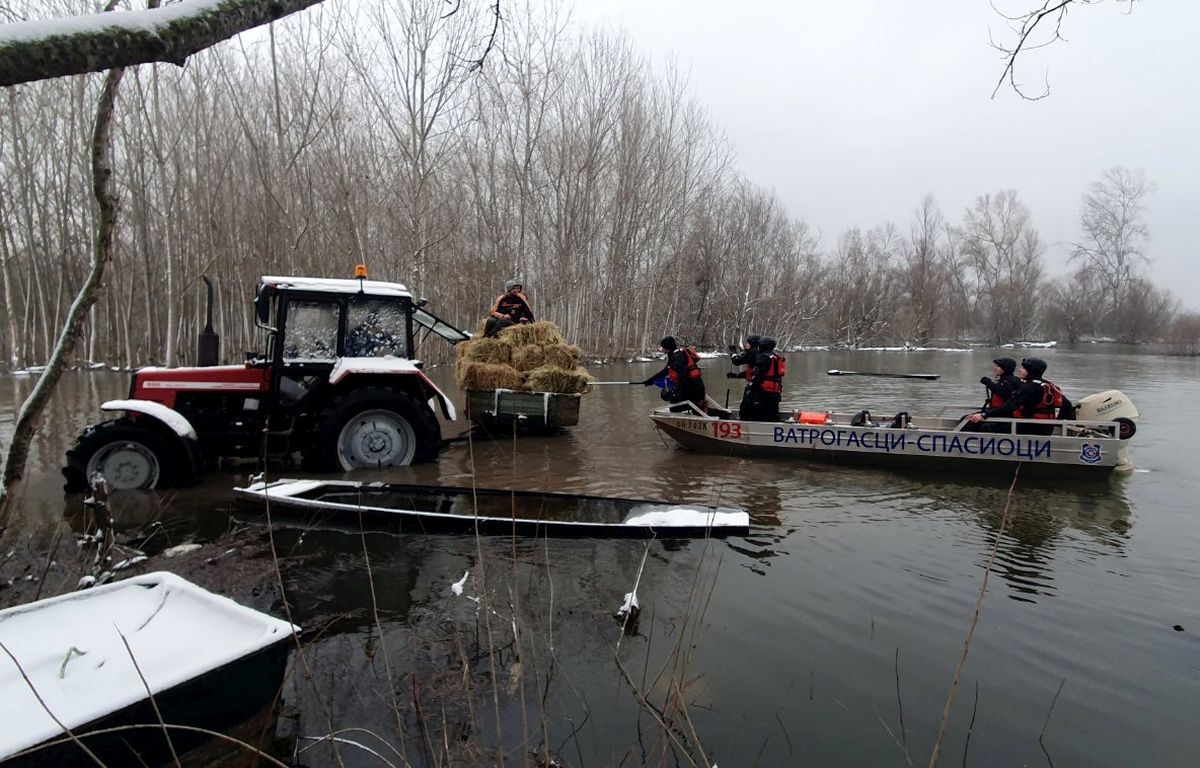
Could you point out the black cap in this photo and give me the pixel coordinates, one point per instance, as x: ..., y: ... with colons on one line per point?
x: 1006, y: 364
x: 668, y: 343
x: 1034, y: 366
x: 753, y: 340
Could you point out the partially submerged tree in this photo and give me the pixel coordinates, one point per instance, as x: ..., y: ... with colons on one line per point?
x: 1112, y: 218
x: 1004, y: 250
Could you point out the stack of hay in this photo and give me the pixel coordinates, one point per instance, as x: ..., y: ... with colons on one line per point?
x: 533, y: 357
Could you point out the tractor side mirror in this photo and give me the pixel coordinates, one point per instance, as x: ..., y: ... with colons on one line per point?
x: 262, y: 306
x: 422, y: 301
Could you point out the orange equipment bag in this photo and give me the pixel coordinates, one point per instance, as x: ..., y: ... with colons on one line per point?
x: 811, y: 417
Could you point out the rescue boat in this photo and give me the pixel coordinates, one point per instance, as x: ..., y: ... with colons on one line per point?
x: 1094, y: 443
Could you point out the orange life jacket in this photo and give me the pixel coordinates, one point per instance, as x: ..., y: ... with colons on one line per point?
x: 773, y: 383
x: 995, y: 400
x: 1047, y: 407
x: 510, y: 306
x: 693, y: 366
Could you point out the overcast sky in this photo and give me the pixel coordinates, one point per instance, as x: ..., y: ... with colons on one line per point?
x: 852, y: 111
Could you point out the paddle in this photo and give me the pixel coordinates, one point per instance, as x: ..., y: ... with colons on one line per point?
x: 926, y: 376
x: 626, y: 383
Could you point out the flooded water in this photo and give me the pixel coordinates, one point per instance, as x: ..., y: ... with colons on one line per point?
x: 828, y: 636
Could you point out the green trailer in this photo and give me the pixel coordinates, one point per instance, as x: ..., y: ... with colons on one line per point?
x: 538, y: 410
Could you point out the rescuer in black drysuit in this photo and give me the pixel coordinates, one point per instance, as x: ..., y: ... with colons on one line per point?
x: 1034, y: 399
x: 682, y: 371
x: 765, y: 389
x: 1001, y: 389
x: 747, y: 357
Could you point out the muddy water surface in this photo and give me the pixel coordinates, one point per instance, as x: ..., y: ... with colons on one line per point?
x: 828, y: 636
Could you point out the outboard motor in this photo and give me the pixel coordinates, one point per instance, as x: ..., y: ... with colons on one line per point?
x: 1110, y: 405
x: 208, y: 351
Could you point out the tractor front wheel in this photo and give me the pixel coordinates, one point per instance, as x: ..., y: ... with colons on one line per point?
x: 373, y: 427
x: 129, y: 456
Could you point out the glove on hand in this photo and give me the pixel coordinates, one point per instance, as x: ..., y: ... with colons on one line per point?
x: 647, y: 382
x: 732, y: 349
x: 985, y: 381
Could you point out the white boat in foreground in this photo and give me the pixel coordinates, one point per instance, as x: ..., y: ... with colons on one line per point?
x: 1095, y: 443
x: 207, y: 661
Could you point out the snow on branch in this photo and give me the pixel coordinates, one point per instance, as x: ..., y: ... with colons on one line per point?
x: 41, y: 49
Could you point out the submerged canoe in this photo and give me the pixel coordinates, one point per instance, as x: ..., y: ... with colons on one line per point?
x: 1092, y: 447
x: 208, y: 662
x: 924, y: 376
x: 444, y: 508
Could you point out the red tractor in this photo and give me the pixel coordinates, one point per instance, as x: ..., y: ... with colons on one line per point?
x: 337, y: 384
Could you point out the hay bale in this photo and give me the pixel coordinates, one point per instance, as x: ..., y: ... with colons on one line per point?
x: 527, y: 357
x: 565, y: 356
x: 542, y: 333
x: 551, y: 378
x: 483, y: 350
x: 475, y: 375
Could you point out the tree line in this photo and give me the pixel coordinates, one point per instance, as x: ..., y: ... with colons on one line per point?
x: 374, y: 134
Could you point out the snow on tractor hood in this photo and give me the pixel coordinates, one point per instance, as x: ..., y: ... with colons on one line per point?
x: 389, y: 365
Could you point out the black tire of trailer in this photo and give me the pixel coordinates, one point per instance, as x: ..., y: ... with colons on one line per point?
x: 322, y: 454
x: 145, y: 438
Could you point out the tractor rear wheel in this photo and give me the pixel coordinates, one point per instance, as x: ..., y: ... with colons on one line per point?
x: 373, y: 427
x: 128, y: 455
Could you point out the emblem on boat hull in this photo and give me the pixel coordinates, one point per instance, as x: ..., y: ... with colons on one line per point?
x: 1090, y: 453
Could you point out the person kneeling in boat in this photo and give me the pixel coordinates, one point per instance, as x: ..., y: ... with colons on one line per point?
x: 511, y: 308
x: 682, y: 372
x: 1034, y: 399
x: 747, y: 357
x: 766, y: 384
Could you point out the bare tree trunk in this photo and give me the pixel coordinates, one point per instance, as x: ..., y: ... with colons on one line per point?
x: 30, y: 417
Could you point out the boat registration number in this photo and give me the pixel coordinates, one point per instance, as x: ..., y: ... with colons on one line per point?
x: 730, y: 430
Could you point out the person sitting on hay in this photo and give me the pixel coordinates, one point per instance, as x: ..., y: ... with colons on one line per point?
x: 511, y: 308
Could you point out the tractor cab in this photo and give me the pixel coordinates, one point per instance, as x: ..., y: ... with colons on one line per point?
x: 338, y: 383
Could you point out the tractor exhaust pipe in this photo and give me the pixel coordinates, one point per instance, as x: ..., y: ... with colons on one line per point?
x: 208, y: 351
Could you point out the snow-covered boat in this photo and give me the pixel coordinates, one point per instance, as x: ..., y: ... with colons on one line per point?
x: 88, y: 662
x: 1094, y: 443
x: 428, y: 508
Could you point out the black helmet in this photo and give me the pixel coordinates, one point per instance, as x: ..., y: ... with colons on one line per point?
x: 668, y: 343
x: 1006, y: 364
x: 766, y: 344
x: 753, y: 340
x: 1034, y: 366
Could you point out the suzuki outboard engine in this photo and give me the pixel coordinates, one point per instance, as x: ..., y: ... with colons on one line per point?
x: 1110, y: 405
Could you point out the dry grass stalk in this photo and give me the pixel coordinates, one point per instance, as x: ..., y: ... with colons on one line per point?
x: 549, y: 378
x: 488, y: 376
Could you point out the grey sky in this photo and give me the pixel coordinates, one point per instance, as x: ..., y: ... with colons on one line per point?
x: 853, y: 111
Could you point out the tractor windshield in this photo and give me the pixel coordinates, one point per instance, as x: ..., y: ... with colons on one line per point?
x: 312, y: 328
x: 375, y: 328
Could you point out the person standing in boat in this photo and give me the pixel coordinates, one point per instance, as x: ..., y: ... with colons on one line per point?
x: 511, y: 308
x: 747, y: 357
x: 766, y: 382
x: 682, y: 372
x: 1036, y: 398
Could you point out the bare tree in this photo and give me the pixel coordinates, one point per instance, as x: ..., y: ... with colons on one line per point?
x: 1114, y: 229
x: 922, y: 274
x: 1071, y: 305
x: 30, y: 417
x: 1005, y: 252
x: 1033, y: 29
